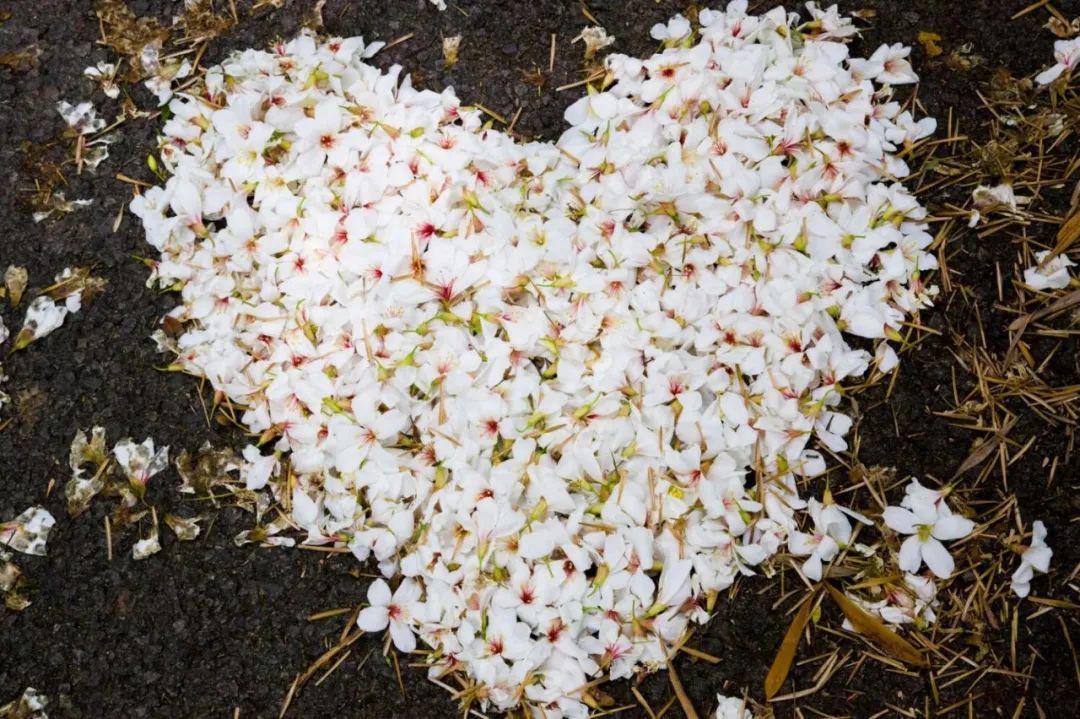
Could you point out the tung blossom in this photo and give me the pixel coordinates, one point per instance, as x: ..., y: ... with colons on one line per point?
x: 1035, y: 557
x: 391, y: 610
x: 1066, y: 56
x: 140, y: 462
x: 831, y: 533
x: 927, y: 519
x: 1049, y: 273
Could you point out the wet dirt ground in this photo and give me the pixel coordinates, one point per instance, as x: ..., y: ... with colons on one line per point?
x: 206, y: 629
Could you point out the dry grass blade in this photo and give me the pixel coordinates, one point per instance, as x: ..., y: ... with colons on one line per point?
x: 873, y: 628
x: 785, y: 656
x: 684, y: 699
x: 1067, y: 235
x: 985, y: 450
x: 1018, y: 326
x: 677, y: 686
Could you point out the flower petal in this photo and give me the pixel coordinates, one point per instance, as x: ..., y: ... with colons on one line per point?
x: 911, y: 554
x: 403, y: 637
x: 373, y: 619
x: 408, y: 593
x: 952, y: 527
x: 378, y: 594
x: 937, y: 558
x: 899, y: 519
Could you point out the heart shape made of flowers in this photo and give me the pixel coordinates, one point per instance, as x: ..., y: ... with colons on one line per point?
x: 563, y: 390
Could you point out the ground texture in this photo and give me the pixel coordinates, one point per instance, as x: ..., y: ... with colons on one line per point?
x: 209, y: 629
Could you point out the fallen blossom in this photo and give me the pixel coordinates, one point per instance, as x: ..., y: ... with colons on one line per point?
x: 1034, y: 557
x: 926, y: 517
x: 81, y: 118
x: 913, y: 601
x: 257, y: 468
x: 44, y: 316
x: 986, y: 199
x: 104, y: 73
x: 831, y: 533
x: 11, y: 581
x: 1066, y: 56
x: 249, y: 536
x: 828, y: 24
x: 391, y: 610
x: 140, y: 462
x: 146, y: 547
x: 29, y: 532
x: 595, y: 39
x: 1049, y: 273
x: 163, y: 75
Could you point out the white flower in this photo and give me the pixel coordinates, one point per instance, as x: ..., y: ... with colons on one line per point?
x: 888, y: 65
x: 1049, y: 274
x: 1066, y: 56
x: 140, y: 462
x: 29, y: 532
x: 1035, y: 557
x: 829, y: 23
x: 104, y: 73
x: 391, y: 610
x: 832, y: 532
x: 927, y: 518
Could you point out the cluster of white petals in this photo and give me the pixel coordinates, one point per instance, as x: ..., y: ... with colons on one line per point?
x: 536, y: 380
x: 1049, y: 273
x: 90, y: 461
x: 912, y: 601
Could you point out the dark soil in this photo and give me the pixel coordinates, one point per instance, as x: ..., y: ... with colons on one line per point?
x: 206, y: 628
